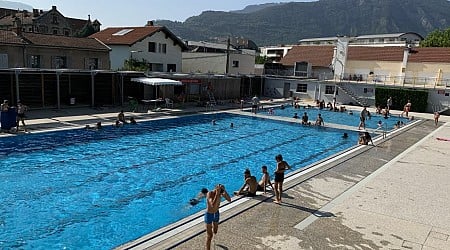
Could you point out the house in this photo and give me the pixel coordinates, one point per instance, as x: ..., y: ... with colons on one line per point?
x: 33, y: 50
x: 352, y: 72
x: 217, y: 58
x: 309, y: 61
x: 48, y: 22
x: 156, y: 46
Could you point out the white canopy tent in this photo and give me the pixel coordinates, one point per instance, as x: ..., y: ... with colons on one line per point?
x: 156, y: 82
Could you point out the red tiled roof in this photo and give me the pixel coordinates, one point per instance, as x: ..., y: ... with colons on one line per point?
x: 136, y: 34
x: 64, y: 41
x: 9, y: 37
x: 375, y: 53
x: 321, y: 56
x: 430, y: 54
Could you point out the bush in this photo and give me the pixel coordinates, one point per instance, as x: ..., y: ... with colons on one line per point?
x: 418, y: 98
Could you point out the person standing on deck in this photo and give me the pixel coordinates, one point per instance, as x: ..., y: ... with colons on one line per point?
x: 212, y: 215
x: 282, y: 166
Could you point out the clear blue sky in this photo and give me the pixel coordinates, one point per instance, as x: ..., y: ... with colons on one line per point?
x: 114, y: 13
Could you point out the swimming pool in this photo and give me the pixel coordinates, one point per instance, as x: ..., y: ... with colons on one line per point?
x: 339, y: 117
x: 84, y: 189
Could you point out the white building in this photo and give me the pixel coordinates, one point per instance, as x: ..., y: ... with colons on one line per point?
x: 206, y: 57
x: 395, y: 39
x: 156, y: 45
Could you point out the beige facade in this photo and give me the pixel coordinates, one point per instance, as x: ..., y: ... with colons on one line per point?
x: 216, y: 63
x: 30, y: 50
x: 424, y: 73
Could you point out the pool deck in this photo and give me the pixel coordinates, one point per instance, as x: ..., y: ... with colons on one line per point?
x: 394, y: 195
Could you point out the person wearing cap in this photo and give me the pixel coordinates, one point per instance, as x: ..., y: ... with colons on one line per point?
x: 21, y: 115
x: 5, y: 106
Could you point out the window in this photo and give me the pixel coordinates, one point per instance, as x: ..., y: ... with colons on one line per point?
x: 55, y: 19
x: 301, y: 69
x: 151, y: 47
x: 329, y: 90
x: 171, y: 68
x: 162, y: 48
x: 301, y: 87
x: 55, y: 31
x: 35, y: 61
x: 59, y: 62
x: 92, y: 63
x: 66, y: 32
x: 235, y: 64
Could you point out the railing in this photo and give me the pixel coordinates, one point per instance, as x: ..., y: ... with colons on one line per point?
x: 398, y: 81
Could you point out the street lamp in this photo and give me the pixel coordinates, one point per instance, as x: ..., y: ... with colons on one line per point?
x: 132, y: 52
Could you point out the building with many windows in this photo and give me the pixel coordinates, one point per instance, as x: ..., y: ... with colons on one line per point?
x: 48, y: 22
x: 32, y: 50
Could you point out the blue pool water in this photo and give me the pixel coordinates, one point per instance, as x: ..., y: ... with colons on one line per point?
x: 339, y: 118
x: 85, y: 189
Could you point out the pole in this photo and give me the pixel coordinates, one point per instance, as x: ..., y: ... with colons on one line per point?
x: 58, y: 95
x: 227, y: 68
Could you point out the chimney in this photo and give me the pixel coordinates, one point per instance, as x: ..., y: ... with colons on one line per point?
x: 149, y: 23
x: 53, y: 7
x: 35, y: 12
x: 41, y: 12
x: 17, y: 26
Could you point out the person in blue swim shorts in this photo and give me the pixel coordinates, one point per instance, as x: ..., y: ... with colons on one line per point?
x: 212, y: 214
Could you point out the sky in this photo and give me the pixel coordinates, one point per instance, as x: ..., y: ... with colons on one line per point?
x: 116, y: 13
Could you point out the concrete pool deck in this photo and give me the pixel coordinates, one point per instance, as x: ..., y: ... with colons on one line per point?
x: 392, y: 196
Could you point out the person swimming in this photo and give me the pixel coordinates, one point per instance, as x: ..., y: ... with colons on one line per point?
x: 201, y: 195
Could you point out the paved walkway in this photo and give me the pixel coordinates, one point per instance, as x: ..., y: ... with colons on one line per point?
x: 392, y: 196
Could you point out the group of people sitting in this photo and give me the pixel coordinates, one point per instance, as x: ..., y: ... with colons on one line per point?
x: 305, y: 119
x: 251, y: 185
x: 249, y: 189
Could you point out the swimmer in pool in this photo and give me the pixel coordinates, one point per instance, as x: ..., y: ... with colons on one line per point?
x: 200, y: 196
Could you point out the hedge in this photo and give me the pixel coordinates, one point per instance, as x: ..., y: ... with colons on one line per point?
x: 418, y: 98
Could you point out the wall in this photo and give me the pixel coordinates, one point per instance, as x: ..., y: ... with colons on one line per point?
x: 118, y: 55
x: 246, y: 64
x: 204, y: 62
x: 172, y: 55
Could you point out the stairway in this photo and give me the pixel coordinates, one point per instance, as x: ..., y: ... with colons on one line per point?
x: 350, y: 93
x: 212, y: 100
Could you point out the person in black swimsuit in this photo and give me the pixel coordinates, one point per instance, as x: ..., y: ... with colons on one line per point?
x: 282, y: 166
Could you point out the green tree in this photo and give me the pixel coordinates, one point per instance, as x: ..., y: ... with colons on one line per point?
x: 135, y: 65
x: 437, y: 38
x: 261, y: 59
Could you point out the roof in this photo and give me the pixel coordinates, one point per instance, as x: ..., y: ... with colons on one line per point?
x: 318, y: 56
x: 209, y: 45
x: 364, y: 53
x: 430, y: 54
x: 392, y: 35
x: 131, y: 35
x: 9, y: 37
x: 417, y: 55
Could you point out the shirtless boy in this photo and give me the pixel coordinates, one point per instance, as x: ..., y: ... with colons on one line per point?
x: 212, y: 212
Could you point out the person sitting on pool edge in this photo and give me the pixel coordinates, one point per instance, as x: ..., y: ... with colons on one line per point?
x: 265, y: 180
x: 305, y: 119
x: 319, y: 121
x: 250, y: 185
x: 121, y: 117
x: 201, y: 195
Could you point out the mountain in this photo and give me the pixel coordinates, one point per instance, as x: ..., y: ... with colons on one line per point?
x: 254, y: 8
x: 289, y: 22
x: 15, y: 5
